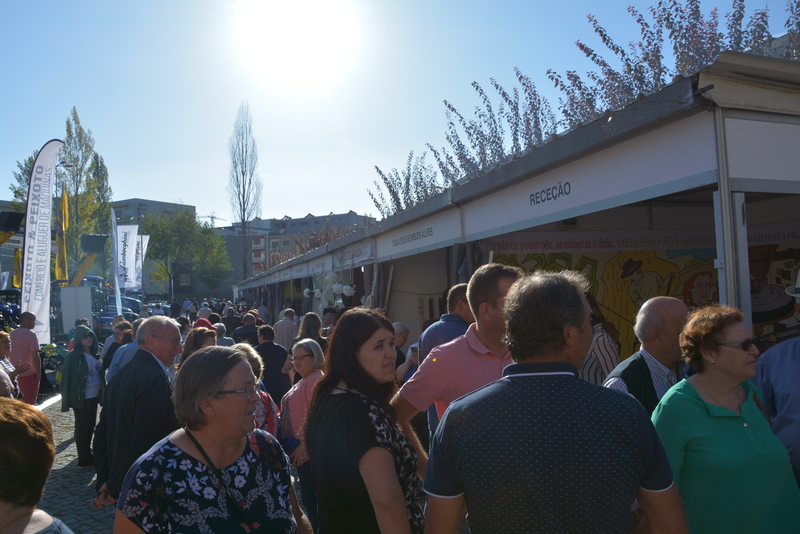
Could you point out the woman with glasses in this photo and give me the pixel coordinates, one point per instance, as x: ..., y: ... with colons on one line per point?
x: 217, y: 473
x: 308, y: 360
x: 732, y: 472
x: 365, y: 469
x: 82, y: 385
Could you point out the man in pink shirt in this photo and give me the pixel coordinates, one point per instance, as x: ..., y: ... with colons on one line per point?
x: 25, y: 349
x: 468, y: 362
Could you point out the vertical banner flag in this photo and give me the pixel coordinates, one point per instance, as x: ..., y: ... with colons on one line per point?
x: 35, y: 294
x: 4, y: 280
x: 115, y: 255
x: 126, y: 255
x: 61, y: 238
x: 16, y: 278
x: 141, y: 253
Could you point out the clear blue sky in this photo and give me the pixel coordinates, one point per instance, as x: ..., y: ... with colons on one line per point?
x: 335, y: 86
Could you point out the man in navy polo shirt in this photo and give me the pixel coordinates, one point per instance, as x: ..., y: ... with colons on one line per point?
x: 541, y: 450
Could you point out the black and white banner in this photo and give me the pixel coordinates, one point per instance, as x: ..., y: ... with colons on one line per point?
x: 35, y: 294
x: 141, y: 253
x: 126, y: 255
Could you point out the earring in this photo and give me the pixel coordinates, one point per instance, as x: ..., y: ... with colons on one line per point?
x: 712, y: 361
x: 215, y: 413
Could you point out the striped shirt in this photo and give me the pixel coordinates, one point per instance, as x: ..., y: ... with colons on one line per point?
x: 663, y: 378
x: 602, y: 358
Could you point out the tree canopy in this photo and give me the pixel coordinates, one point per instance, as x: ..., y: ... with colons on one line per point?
x: 179, y: 238
x: 86, y: 180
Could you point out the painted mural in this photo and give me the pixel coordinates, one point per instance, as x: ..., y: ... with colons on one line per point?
x: 627, y: 268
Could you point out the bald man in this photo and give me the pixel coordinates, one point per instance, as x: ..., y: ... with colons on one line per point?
x: 649, y: 373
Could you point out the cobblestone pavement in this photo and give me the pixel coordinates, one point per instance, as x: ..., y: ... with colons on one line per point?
x: 69, y: 490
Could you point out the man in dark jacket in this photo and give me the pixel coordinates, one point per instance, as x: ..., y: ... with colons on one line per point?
x: 138, y: 410
x: 175, y: 309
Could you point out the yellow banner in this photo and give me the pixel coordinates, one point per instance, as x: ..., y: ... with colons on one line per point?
x: 61, y: 229
x: 16, y: 280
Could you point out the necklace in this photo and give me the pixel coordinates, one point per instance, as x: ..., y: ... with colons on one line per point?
x: 738, y: 409
x: 341, y: 389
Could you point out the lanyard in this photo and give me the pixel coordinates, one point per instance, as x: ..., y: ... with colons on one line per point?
x: 220, y: 482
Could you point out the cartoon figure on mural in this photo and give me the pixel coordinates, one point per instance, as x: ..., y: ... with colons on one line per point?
x: 644, y: 284
x: 697, y: 290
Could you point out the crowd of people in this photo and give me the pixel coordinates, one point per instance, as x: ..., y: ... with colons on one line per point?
x: 510, y: 413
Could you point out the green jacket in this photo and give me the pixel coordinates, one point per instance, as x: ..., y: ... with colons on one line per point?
x: 74, y: 371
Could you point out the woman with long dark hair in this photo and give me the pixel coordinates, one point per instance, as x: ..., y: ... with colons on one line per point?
x: 364, y: 467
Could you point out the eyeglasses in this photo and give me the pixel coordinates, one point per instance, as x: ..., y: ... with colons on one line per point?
x: 295, y: 358
x: 172, y: 340
x: 249, y: 392
x: 744, y: 345
x: 87, y: 336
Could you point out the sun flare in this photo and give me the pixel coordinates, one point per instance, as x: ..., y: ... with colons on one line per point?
x: 296, y: 43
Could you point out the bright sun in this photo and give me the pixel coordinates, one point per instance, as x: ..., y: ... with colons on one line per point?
x: 296, y: 43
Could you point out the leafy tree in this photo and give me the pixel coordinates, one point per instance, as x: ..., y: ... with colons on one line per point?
x: 211, y: 258
x: 101, y: 217
x: 178, y: 237
x: 22, y: 177
x: 416, y: 183
x: 517, y: 125
x: 78, y: 151
x: 244, y: 185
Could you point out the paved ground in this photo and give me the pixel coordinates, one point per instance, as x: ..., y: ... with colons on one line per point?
x: 69, y: 489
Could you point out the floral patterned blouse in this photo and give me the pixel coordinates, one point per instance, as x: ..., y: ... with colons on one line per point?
x: 352, y: 424
x: 166, y: 490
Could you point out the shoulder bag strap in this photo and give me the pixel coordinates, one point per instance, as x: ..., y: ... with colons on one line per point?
x: 761, y: 407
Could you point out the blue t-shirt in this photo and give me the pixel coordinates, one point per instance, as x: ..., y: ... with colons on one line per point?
x: 541, y: 450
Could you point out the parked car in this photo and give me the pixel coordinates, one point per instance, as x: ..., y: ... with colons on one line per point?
x: 133, y: 304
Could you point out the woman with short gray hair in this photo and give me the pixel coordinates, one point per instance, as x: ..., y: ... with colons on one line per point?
x: 218, y: 463
x: 308, y: 360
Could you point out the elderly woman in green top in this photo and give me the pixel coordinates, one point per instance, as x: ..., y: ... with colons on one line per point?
x: 732, y: 472
x: 82, y: 385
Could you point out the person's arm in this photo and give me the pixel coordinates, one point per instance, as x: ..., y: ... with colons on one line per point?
x: 123, y: 525
x: 35, y: 359
x: 444, y: 515
x: 616, y: 383
x: 404, y: 411
x: 303, y: 524
x: 403, y: 369
x: 380, y: 477
x: 287, y: 365
x: 663, y: 512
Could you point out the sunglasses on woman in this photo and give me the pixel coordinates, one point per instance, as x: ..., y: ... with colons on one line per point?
x: 744, y: 345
